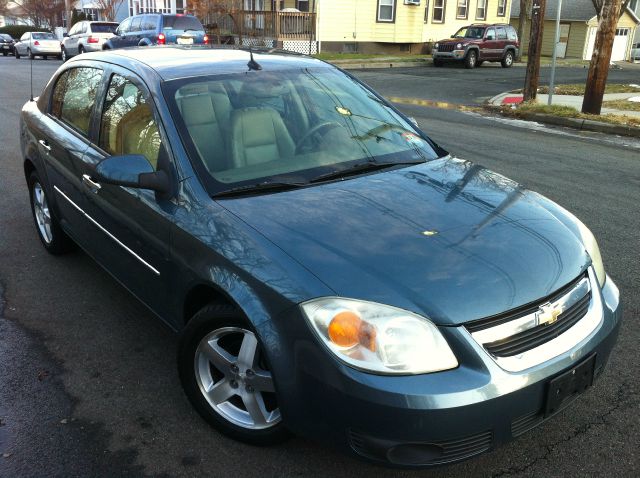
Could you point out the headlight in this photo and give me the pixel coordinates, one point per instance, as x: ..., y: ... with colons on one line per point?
x: 591, y: 245
x: 436, y: 46
x: 459, y: 46
x: 379, y: 338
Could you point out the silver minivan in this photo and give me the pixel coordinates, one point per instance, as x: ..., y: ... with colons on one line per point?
x: 86, y: 36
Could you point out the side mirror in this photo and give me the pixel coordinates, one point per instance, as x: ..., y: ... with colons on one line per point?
x: 452, y: 36
x: 132, y: 170
x: 490, y: 37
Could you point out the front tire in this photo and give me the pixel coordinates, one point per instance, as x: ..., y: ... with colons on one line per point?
x: 30, y: 54
x: 80, y: 50
x: 63, y: 55
x: 17, y: 55
x: 226, y: 377
x: 507, y: 61
x: 471, y: 59
x: 53, y: 238
x: 437, y: 63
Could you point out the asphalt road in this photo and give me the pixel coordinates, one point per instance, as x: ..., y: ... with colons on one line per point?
x: 88, y: 383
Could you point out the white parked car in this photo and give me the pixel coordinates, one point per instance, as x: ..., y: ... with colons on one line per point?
x: 43, y: 44
x: 85, y: 37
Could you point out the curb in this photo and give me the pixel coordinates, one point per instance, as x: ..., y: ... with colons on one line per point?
x: 379, y: 64
x: 582, y: 124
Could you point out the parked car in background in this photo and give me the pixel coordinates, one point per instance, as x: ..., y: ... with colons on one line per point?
x: 635, y: 52
x: 86, y: 36
x: 331, y: 270
x: 477, y: 43
x: 6, y: 44
x: 43, y: 44
x: 158, y: 29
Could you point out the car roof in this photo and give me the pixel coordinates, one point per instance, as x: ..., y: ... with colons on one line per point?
x: 173, y: 62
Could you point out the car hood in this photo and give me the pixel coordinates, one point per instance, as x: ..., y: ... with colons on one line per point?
x: 447, y: 239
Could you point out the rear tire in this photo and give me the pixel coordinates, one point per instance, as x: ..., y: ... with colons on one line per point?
x: 30, y: 54
x: 471, y: 59
x: 44, y: 57
x: 53, y: 238
x: 507, y: 61
x: 63, y: 55
x: 5, y: 53
x: 17, y: 55
x: 80, y: 50
x: 479, y: 63
x: 225, y: 376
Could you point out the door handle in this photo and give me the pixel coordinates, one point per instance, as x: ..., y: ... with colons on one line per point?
x: 90, y: 184
x: 45, y: 145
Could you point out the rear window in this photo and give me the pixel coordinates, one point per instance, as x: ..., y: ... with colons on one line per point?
x: 43, y: 36
x: 182, y: 23
x: 104, y: 27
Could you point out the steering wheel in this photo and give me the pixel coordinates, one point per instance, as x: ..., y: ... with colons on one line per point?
x: 324, y: 127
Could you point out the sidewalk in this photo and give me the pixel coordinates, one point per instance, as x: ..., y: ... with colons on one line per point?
x: 568, y: 100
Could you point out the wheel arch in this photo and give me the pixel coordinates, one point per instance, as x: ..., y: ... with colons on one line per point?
x: 200, y: 295
x: 145, y: 42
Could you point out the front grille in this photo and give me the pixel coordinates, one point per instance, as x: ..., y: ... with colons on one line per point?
x: 455, y: 450
x: 536, y: 336
x: 525, y: 423
x: 446, y: 47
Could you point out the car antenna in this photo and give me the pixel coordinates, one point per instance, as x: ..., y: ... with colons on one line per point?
x: 253, y: 65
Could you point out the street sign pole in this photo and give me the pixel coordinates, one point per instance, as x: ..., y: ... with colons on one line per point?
x: 553, y: 60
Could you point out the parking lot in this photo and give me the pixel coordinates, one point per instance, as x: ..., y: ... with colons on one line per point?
x: 88, y: 383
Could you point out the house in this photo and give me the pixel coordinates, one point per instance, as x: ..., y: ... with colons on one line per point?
x: 578, y: 26
x: 365, y: 26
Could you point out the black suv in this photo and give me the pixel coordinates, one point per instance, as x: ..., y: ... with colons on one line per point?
x: 157, y: 29
x: 475, y: 44
x: 6, y: 44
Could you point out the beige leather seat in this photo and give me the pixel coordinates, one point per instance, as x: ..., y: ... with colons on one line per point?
x: 137, y: 133
x: 259, y: 135
x: 206, y: 116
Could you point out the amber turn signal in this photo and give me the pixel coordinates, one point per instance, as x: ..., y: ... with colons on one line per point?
x: 347, y: 329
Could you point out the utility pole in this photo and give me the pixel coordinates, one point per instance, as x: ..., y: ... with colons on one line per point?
x: 535, y: 46
x: 67, y: 10
x: 552, y: 80
x: 599, y: 66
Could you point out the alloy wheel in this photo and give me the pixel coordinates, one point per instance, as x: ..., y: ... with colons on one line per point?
x: 233, y: 378
x: 42, y: 213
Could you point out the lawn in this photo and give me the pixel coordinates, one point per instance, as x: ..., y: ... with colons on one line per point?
x: 361, y: 56
x: 567, y: 112
x: 622, y: 105
x: 578, y: 89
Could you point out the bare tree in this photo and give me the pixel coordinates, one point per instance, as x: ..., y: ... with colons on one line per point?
x: 40, y: 13
x: 525, y: 12
x: 598, y: 4
x: 108, y: 8
x: 608, y: 15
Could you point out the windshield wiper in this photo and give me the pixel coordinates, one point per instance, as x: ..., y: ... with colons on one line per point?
x: 259, y: 187
x: 361, y: 168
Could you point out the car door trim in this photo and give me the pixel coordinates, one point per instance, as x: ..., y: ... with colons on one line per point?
x: 120, y: 243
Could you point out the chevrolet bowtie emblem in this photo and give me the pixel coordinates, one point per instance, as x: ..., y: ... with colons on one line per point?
x: 547, y: 314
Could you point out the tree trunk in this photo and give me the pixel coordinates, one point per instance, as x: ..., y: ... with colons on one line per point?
x: 535, y: 46
x: 601, y: 57
x: 525, y: 7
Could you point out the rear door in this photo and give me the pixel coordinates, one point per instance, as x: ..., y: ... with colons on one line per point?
x: 119, y: 40
x: 134, y: 34
x: 501, y: 41
x: 490, y: 45
x: 64, y: 137
x: 131, y: 227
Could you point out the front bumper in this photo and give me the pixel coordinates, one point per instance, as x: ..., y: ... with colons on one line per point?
x: 449, y: 55
x: 430, y: 419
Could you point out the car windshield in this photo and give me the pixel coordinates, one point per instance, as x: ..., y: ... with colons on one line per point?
x: 181, y: 23
x: 43, y: 36
x: 104, y: 27
x: 301, y: 125
x: 470, y: 32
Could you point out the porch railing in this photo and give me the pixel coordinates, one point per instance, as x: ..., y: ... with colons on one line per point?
x: 278, y: 25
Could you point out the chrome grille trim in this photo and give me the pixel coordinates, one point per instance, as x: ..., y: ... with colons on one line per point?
x: 571, y: 337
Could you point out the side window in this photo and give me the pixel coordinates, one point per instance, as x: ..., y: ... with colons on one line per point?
x: 512, y: 33
x: 128, y: 125
x: 135, y: 24
x: 502, y: 34
x: 24, y: 37
x: 491, y: 34
x: 74, y: 30
x: 74, y: 95
x: 149, y: 22
x: 124, y: 26
x: 84, y: 27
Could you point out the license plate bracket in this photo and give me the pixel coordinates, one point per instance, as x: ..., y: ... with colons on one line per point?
x: 564, y: 388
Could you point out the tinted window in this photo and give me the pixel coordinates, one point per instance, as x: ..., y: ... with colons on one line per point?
x: 135, y: 24
x: 104, y: 27
x: 182, y: 23
x: 149, y: 22
x: 128, y: 126
x: 511, y: 33
x: 502, y: 34
x: 44, y: 36
x: 470, y: 32
x: 74, y: 95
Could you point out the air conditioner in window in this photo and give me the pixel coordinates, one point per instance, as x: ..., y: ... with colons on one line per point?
x: 412, y: 2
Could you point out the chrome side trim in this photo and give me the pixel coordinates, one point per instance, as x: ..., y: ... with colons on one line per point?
x: 124, y: 246
x: 529, y: 321
x: 580, y: 331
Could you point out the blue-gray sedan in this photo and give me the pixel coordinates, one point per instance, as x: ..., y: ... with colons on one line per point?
x: 331, y: 270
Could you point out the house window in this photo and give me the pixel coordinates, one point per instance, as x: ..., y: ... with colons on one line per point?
x: 303, y: 5
x: 386, y: 10
x: 463, y: 9
x: 501, y: 7
x: 481, y: 10
x: 438, y: 11
x: 426, y: 12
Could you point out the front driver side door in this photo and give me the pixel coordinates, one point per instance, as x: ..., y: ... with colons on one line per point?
x: 132, y: 226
